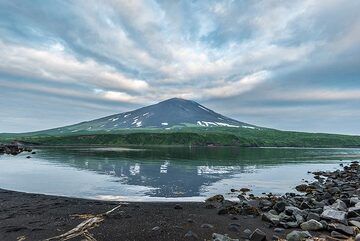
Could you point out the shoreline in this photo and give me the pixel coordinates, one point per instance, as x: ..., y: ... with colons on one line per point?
x: 27, y: 216
x: 326, y: 209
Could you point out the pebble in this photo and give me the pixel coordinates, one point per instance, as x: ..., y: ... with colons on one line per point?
x: 206, y: 225
x: 156, y: 228
x: 178, y: 206
x: 234, y: 227
x: 191, y: 235
x: 279, y: 230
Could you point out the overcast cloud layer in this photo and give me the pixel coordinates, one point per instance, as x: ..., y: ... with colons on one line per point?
x: 292, y: 65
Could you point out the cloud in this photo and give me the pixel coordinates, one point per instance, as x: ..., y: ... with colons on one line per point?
x: 255, y: 54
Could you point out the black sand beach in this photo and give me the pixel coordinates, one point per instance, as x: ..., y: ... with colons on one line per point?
x: 26, y: 216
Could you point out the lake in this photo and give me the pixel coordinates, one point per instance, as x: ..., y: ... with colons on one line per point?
x: 165, y: 174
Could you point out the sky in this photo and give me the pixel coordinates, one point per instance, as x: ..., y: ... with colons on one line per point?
x: 290, y: 65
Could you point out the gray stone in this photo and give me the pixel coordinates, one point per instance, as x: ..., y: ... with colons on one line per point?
x: 338, y: 235
x: 258, y: 235
x: 354, y: 200
x: 265, y: 203
x: 157, y: 228
x: 280, y: 206
x: 206, y: 225
x: 336, y: 215
x: 292, y: 224
x: 355, y: 223
x: 341, y: 228
x: 221, y: 237
x: 339, y: 205
x: 285, y: 218
x: 268, y: 217
x: 311, y: 225
x: 273, y: 212
x: 313, y: 216
x: 298, y: 235
x: 279, y: 230
x: 247, y: 233
x: 233, y: 227
x: 357, y: 238
x: 191, y: 235
x: 324, y: 224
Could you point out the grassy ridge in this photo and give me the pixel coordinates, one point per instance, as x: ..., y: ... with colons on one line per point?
x: 194, y: 136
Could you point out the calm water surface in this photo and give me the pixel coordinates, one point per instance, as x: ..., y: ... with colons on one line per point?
x: 158, y: 174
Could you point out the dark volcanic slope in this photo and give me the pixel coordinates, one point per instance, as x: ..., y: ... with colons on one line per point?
x: 166, y: 114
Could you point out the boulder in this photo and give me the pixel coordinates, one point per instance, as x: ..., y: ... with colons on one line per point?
x: 280, y: 206
x: 216, y: 198
x: 298, y: 235
x: 311, y: 225
x: 336, y: 215
x: 338, y: 235
x: 258, y: 235
x: 357, y: 238
x: 341, y: 228
x: 355, y: 223
x: 268, y: 217
x: 313, y: 216
x: 339, y: 205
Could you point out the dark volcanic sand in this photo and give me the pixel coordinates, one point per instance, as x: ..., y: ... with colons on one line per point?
x: 37, y: 217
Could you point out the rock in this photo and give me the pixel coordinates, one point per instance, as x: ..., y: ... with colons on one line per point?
x: 334, y: 190
x: 258, y: 235
x: 34, y: 152
x: 298, y: 235
x: 234, y: 227
x: 273, y: 212
x: 301, y: 187
x: 178, y: 206
x: 285, y: 218
x: 292, y: 224
x: 268, y: 217
x: 357, y: 238
x: 280, y: 206
x: 275, y: 237
x: 339, y: 205
x: 354, y: 212
x: 189, y: 220
x: 279, y: 230
x: 247, y: 233
x: 265, y: 203
x: 157, y: 228
x: 191, y: 235
x: 244, y: 189
x: 311, y: 225
x: 216, y: 198
x: 28, y: 157
x: 220, y: 237
x: 324, y: 224
x: 313, y: 216
x: 336, y: 215
x: 354, y: 200
x: 341, y: 228
x: 338, y: 235
x: 355, y: 223
x: 206, y: 225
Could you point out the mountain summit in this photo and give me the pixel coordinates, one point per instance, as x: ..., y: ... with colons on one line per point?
x: 171, y: 113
